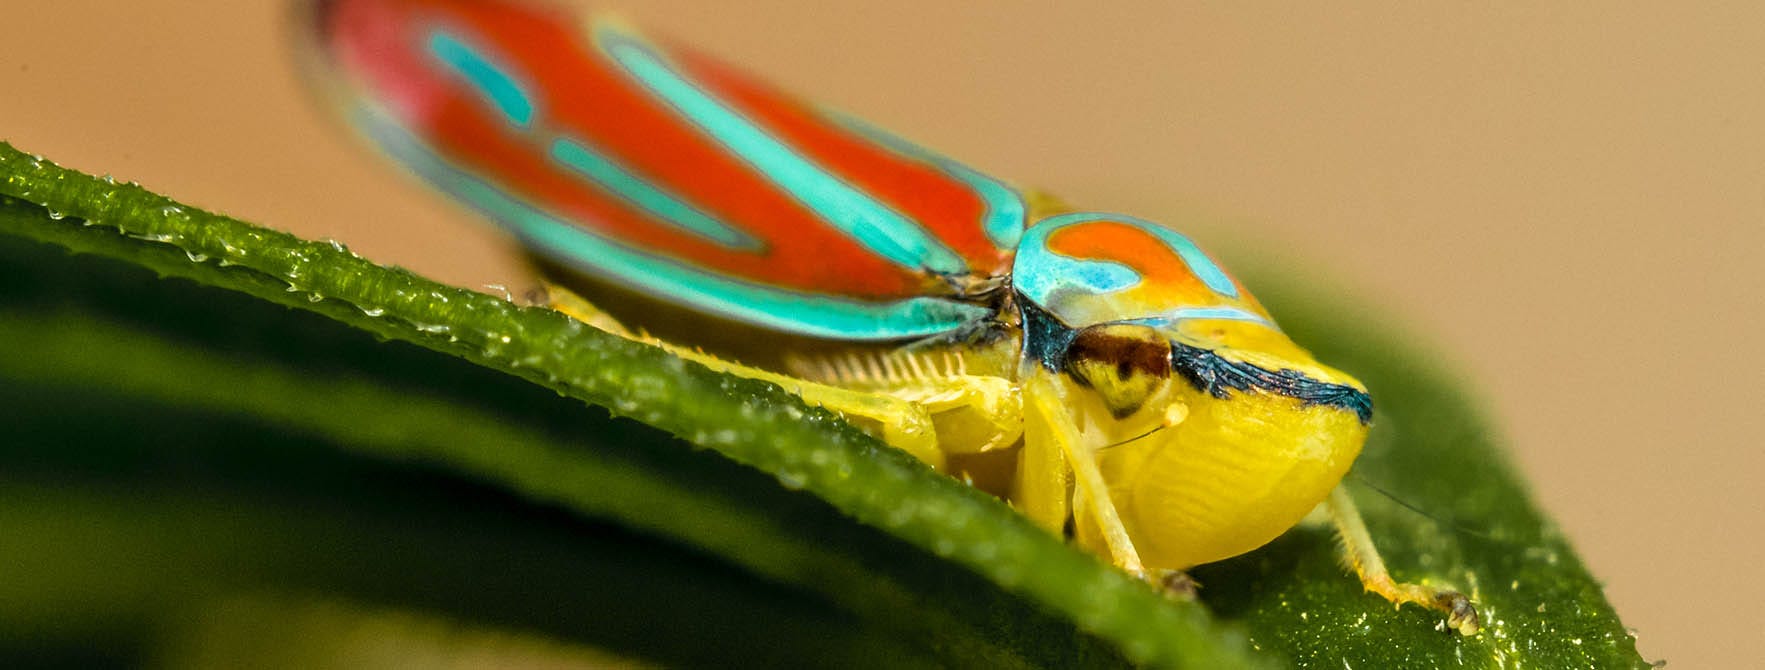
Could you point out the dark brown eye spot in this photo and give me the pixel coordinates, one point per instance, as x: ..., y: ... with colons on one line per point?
x: 1136, y: 351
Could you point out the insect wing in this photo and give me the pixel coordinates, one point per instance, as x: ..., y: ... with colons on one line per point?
x: 668, y: 172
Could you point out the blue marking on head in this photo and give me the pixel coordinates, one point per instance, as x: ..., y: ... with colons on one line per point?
x: 478, y: 69
x: 1041, y: 275
x: 1048, y: 272
x: 660, y: 203
x: 580, y: 248
x: 1005, y: 215
x: 1069, y: 288
x: 873, y: 224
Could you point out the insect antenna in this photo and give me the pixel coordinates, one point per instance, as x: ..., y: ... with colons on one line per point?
x: 1135, y: 438
x: 1444, y: 521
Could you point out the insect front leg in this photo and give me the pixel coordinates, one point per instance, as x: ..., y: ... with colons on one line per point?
x: 1053, y: 442
x: 1358, y: 551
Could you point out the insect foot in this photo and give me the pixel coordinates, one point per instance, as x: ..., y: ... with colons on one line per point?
x: 1178, y: 585
x: 1461, y: 615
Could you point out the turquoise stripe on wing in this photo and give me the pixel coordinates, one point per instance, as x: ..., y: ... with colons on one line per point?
x: 872, y: 223
x: 804, y: 314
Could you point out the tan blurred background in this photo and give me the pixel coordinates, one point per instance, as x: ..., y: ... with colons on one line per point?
x: 1564, y: 200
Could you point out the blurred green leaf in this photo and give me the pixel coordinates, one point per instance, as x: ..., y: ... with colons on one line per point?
x: 180, y: 444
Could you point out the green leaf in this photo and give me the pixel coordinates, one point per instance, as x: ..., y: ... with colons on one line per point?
x: 184, y: 444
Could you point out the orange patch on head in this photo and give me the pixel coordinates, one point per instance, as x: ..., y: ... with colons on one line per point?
x: 1157, y: 263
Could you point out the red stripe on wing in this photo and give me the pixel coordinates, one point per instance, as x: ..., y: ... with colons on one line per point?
x: 578, y: 93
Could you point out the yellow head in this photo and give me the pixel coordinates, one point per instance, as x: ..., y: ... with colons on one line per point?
x: 1215, y: 432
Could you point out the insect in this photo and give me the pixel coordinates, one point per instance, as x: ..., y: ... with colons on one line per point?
x: 1098, y: 370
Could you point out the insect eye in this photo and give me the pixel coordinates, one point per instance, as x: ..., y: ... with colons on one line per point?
x: 1124, y: 363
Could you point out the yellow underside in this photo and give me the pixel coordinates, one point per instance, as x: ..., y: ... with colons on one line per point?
x: 1233, y: 475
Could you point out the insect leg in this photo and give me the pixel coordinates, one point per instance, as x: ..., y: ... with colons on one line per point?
x: 972, y: 413
x: 905, y: 425
x: 1055, y: 435
x: 1359, y: 552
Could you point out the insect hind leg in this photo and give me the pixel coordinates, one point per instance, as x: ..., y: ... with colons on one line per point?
x: 901, y: 423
